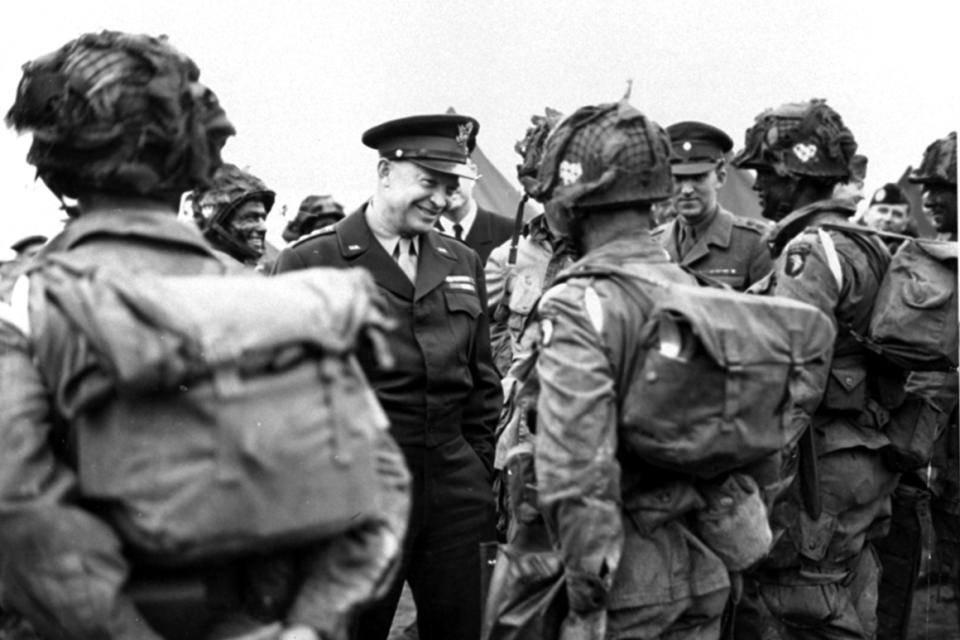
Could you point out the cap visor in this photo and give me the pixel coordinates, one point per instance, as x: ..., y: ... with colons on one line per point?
x: 691, y: 169
x: 452, y: 168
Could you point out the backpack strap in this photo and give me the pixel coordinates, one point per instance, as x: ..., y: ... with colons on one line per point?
x: 16, y: 312
x: 833, y: 259
x: 877, y: 256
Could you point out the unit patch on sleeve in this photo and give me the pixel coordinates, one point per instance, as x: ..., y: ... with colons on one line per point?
x: 796, y: 259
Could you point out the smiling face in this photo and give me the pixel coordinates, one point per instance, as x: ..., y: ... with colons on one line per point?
x: 940, y: 206
x: 248, y: 225
x: 888, y: 217
x: 413, y: 197
x: 695, y: 195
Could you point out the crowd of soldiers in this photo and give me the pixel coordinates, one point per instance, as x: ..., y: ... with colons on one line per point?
x: 485, y: 318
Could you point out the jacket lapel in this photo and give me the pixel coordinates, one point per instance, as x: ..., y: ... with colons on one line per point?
x: 361, y: 249
x: 717, y: 234
x: 670, y: 240
x: 436, y: 261
x: 480, y: 233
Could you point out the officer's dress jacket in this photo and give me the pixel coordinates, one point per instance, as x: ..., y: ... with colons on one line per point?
x: 443, y: 385
x: 732, y: 249
x: 488, y: 231
x: 619, y: 520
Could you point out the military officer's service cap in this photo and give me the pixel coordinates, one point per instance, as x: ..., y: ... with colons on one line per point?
x: 889, y: 193
x: 441, y: 142
x: 696, y: 147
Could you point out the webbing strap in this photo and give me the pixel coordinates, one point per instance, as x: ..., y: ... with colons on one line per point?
x: 16, y: 312
x: 833, y: 259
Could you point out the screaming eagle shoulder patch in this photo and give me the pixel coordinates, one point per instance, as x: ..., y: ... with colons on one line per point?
x: 796, y: 259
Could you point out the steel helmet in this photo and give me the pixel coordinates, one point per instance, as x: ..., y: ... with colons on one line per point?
x: 604, y: 156
x: 939, y: 164
x: 800, y: 139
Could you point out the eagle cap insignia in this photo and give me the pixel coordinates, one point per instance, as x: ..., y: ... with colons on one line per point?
x: 463, y: 136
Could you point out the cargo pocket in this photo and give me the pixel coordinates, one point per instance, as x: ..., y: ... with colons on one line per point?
x: 805, y: 605
x: 846, y: 389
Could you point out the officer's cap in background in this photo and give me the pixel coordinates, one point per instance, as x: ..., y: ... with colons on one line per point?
x: 889, y: 193
x: 25, y: 243
x: 696, y: 147
x: 441, y: 142
x: 320, y: 206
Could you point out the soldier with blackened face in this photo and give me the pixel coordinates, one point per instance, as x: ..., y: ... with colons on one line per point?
x: 821, y: 578
x: 233, y: 212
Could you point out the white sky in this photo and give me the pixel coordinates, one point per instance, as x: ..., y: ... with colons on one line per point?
x: 302, y: 79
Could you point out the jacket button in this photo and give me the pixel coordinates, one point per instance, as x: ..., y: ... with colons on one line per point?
x: 652, y: 376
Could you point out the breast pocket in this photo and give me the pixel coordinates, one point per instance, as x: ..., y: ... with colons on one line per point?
x: 526, y: 291
x: 732, y: 277
x: 463, y: 307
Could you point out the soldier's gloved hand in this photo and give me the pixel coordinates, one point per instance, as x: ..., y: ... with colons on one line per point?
x: 584, y: 626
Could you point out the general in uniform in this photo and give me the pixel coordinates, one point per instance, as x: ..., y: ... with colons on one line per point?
x: 442, y: 396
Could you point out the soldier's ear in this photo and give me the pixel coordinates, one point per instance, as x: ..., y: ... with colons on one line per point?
x: 721, y: 174
x: 383, y: 169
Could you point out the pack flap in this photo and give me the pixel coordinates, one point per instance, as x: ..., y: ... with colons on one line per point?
x: 740, y: 328
x: 939, y: 249
x: 155, y: 330
x: 849, y: 377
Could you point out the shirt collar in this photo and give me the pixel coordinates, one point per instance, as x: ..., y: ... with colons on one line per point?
x: 446, y: 224
x: 387, y: 239
x: 143, y: 222
x: 700, y: 226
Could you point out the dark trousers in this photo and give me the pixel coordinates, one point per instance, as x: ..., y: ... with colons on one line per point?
x: 452, y: 514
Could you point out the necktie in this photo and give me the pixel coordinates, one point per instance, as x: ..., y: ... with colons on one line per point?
x: 458, y: 231
x: 687, y: 240
x: 405, y: 253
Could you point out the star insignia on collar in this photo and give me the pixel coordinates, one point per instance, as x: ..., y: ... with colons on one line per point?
x: 686, y: 145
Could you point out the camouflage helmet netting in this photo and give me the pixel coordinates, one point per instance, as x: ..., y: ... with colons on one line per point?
x: 230, y: 187
x: 939, y: 164
x: 532, y: 146
x: 804, y: 139
x: 603, y: 156
x: 117, y: 112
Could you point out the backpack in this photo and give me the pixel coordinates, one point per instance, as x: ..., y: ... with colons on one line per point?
x: 914, y: 324
x: 728, y: 378
x: 224, y: 414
